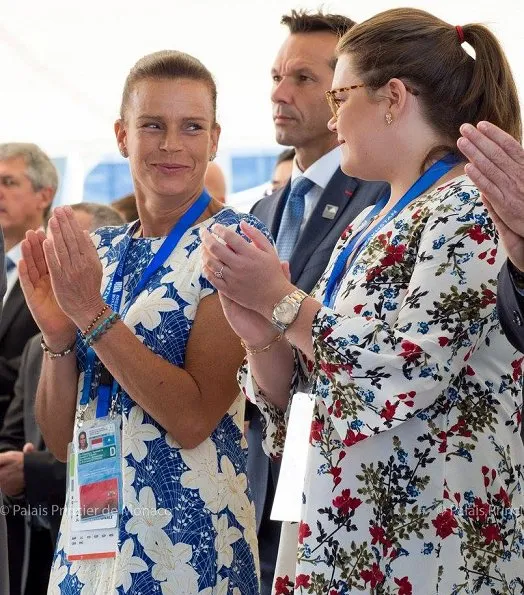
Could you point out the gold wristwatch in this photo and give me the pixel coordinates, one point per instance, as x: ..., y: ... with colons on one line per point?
x: 286, y: 311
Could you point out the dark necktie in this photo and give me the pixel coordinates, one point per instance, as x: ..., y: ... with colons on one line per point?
x: 9, y: 265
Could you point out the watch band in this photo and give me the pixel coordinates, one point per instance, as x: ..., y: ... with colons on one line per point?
x: 294, y: 299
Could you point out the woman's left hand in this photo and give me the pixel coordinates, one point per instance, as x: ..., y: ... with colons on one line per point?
x: 74, y: 267
x: 251, y: 273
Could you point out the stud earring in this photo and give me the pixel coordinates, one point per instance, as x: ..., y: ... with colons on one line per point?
x: 212, y: 157
x: 123, y: 152
x: 389, y: 118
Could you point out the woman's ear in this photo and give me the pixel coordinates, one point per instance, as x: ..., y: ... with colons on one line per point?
x: 396, y: 94
x: 121, y: 135
x: 215, y: 135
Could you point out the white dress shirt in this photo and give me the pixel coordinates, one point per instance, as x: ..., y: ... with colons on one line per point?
x: 319, y: 172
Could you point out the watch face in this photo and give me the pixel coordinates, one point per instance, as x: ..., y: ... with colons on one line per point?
x: 285, y: 312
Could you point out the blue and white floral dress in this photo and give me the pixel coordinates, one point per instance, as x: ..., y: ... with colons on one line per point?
x: 198, y: 536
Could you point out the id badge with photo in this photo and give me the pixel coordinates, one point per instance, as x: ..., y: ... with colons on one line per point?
x: 98, y: 472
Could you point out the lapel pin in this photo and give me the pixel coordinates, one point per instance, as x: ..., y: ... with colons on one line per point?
x: 330, y: 211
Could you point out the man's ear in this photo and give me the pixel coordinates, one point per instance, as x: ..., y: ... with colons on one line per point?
x: 46, y: 198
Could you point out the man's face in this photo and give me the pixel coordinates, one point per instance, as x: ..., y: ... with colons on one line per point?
x: 302, y: 72
x: 21, y: 207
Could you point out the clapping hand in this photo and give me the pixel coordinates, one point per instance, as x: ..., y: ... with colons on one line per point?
x: 497, y: 168
x: 61, y: 276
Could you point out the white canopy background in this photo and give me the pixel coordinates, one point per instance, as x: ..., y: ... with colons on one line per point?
x: 63, y: 62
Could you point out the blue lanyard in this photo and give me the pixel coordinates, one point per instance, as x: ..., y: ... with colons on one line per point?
x: 114, y: 290
x: 362, y: 239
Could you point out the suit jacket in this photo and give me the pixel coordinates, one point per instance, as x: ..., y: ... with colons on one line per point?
x: 4, y: 568
x: 510, y: 306
x: 16, y: 328
x: 307, y: 263
x: 45, y: 476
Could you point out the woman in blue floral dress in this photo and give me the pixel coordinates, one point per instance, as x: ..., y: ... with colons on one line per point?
x: 187, y: 524
x: 414, y: 478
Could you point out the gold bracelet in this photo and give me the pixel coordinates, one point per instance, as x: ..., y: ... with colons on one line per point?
x: 255, y: 350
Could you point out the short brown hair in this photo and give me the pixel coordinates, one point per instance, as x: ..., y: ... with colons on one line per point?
x: 301, y: 21
x: 168, y: 64
x: 127, y: 207
x: 285, y: 155
x: 102, y: 215
x: 427, y: 53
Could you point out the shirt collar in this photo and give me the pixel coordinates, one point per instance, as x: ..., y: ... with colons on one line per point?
x: 322, y: 170
x: 15, y: 254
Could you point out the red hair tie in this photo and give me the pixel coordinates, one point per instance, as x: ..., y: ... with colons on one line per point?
x: 460, y: 34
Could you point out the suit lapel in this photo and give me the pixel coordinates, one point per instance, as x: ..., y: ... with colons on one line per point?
x: 14, y: 302
x: 337, y: 194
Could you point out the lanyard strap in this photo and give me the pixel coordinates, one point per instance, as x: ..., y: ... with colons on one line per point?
x: 114, y: 291
x: 362, y: 239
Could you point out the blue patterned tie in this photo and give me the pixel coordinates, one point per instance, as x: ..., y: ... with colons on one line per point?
x: 9, y: 264
x: 292, y: 217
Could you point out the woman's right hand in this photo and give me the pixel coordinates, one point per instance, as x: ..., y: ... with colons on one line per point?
x: 58, y: 330
x: 250, y: 326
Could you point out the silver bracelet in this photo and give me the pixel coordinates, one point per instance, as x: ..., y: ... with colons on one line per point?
x: 55, y: 354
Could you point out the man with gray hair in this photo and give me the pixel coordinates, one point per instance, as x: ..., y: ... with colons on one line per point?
x: 29, y: 474
x: 4, y: 575
x: 28, y: 183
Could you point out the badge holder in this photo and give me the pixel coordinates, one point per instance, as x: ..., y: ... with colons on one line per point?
x: 95, y: 487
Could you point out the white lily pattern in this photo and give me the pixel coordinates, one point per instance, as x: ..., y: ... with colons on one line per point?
x: 188, y: 522
x: 128, y: 565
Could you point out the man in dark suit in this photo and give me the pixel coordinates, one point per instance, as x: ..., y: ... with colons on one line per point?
x: 497, y: 168
x: 28, y: 183
x: 34, y: 472
x: 4, y: 573
x: 29, y: 473
x: 309, y: 214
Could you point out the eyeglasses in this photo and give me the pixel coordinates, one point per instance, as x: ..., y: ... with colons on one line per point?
x: 335, y: 102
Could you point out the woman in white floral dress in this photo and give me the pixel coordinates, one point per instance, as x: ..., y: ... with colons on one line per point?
x: 187, y: 525
x: 414, y: 482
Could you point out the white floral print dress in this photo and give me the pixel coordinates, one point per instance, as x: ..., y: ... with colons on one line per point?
x: 198, y: 536
x: 414, y: 482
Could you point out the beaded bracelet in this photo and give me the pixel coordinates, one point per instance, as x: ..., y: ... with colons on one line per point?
x: 95, y: 320
x: 102, y: 328
x: 56, y: 354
